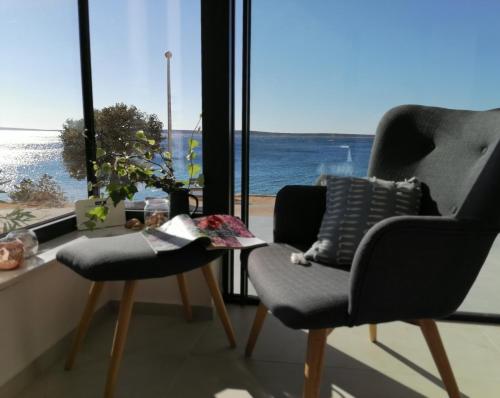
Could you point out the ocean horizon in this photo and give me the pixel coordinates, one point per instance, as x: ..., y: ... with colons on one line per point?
x: 276, y: 159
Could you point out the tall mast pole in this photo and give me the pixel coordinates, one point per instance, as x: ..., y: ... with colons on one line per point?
x: 168, y: 56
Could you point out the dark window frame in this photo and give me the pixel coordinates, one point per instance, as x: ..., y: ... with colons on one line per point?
x: 217, y: 44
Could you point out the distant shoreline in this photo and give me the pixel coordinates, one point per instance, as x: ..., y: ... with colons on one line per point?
x: 261, y: 133
x: 25, y: 129
x: 273, y: 133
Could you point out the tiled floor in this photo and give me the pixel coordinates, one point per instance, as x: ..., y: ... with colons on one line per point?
x: 167, y: 357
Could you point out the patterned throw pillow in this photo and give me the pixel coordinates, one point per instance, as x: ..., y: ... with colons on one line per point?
x: 353, y: 206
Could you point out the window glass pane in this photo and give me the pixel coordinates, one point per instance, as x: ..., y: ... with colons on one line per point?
x: 130, y: 68
x: 40, y: 89
x: 324, y: 72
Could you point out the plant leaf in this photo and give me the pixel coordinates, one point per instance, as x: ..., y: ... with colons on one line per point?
x: 194, y: 169
x: 100, y: 153
x: 193, y: 143
x: 140, y: 135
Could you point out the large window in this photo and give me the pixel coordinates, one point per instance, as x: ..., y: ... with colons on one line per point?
x: 324, y: 72
x: 130, y: 71
x: 40, y: 88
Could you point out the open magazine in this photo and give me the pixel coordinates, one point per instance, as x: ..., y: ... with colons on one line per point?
x: 216, y: 231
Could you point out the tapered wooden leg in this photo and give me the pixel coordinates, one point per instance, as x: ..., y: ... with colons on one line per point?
x: 316, y: 343
x: 83, y: 326
x: 260, y: 316
x: 373, y: 333
x: 219, y: 303
x: 181, y: 281
x: 431, y: 334
x: 121, y: 332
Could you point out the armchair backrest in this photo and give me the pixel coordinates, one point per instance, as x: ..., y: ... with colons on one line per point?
x: 455, y: 153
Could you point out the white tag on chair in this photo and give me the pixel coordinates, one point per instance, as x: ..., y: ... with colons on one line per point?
x: 299, y: 258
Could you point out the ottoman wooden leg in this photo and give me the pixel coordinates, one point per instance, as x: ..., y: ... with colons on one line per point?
x: 260, y: 317
x: 120, y: 338
x: 83, y: 326
x: 181, y: 281
x: 373, y: 333
x: 219, y: 303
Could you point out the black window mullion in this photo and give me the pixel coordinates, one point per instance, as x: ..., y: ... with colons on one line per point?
x: 245, y: 136
x: 87, y: 96
x: 217, y: 57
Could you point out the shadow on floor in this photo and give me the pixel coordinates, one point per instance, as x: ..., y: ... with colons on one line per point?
x: 413, y: 366
x: 167, y: 357
x: 354, y: 380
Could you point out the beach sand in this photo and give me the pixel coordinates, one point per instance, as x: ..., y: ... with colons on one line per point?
x: 260, y: 205
x: 39, y: 212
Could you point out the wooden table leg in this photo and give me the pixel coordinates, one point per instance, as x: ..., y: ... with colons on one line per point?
x: 260, y: 316
x: 120, y: 338
x: 219, y: 303
x: 83, y: 326
x: 181, y: 281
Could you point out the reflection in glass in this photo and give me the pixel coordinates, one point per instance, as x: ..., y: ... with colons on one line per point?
x: 40, y: 88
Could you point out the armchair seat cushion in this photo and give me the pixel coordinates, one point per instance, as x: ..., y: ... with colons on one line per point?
x: 302, y: 297
x: 129, y: 257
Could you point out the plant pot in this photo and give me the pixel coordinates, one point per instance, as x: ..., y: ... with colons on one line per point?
x: 179, y: 202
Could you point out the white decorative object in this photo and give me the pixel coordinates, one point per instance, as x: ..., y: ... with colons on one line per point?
x: 298, y: 258
x: 116, y: 215
x: 28, y: 238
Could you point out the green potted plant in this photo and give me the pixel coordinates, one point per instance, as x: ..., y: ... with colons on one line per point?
x: 141, y: 163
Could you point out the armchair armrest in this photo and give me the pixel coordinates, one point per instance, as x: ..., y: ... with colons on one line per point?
x: 413, y: 267
x: 298, y: 213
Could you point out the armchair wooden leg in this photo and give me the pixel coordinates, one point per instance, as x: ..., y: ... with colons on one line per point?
x: 373, y: 333
x: 181, y: 281
x: 260, y: 316
x: 316, y: 343
x: 120, y: 337
x: 83, y: 326
x: 431, y: 335
x: 219, y: 303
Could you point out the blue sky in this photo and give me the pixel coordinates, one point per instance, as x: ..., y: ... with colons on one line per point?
x: 317, y: 65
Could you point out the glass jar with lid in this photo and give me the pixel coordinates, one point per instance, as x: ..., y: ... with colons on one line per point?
x: 156, y: 212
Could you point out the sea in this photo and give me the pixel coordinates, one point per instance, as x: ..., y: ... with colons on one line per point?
x: 276, y: 159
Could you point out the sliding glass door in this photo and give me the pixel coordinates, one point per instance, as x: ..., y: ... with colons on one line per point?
x: 324, y: 72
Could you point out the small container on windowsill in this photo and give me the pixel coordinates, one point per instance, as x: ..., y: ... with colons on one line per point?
x: 11, y: 254
x: 156, y: 212
x: 28, y: 238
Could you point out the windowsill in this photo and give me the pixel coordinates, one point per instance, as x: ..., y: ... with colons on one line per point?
x: 47, y: 253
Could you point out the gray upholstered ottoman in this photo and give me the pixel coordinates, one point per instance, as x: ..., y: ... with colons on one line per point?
x: 129, y: 258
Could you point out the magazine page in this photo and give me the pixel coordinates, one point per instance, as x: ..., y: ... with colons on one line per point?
x: 183, y: 227
x: 217, y: 231
x: 162, y: 242
x: 227, y: 232
x: 173, y: 235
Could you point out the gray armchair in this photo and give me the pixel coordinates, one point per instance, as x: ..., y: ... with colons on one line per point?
x: 411, y: 268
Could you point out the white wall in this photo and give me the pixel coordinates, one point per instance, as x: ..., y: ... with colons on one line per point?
x: 39, y: 309
x: 36, y: 312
